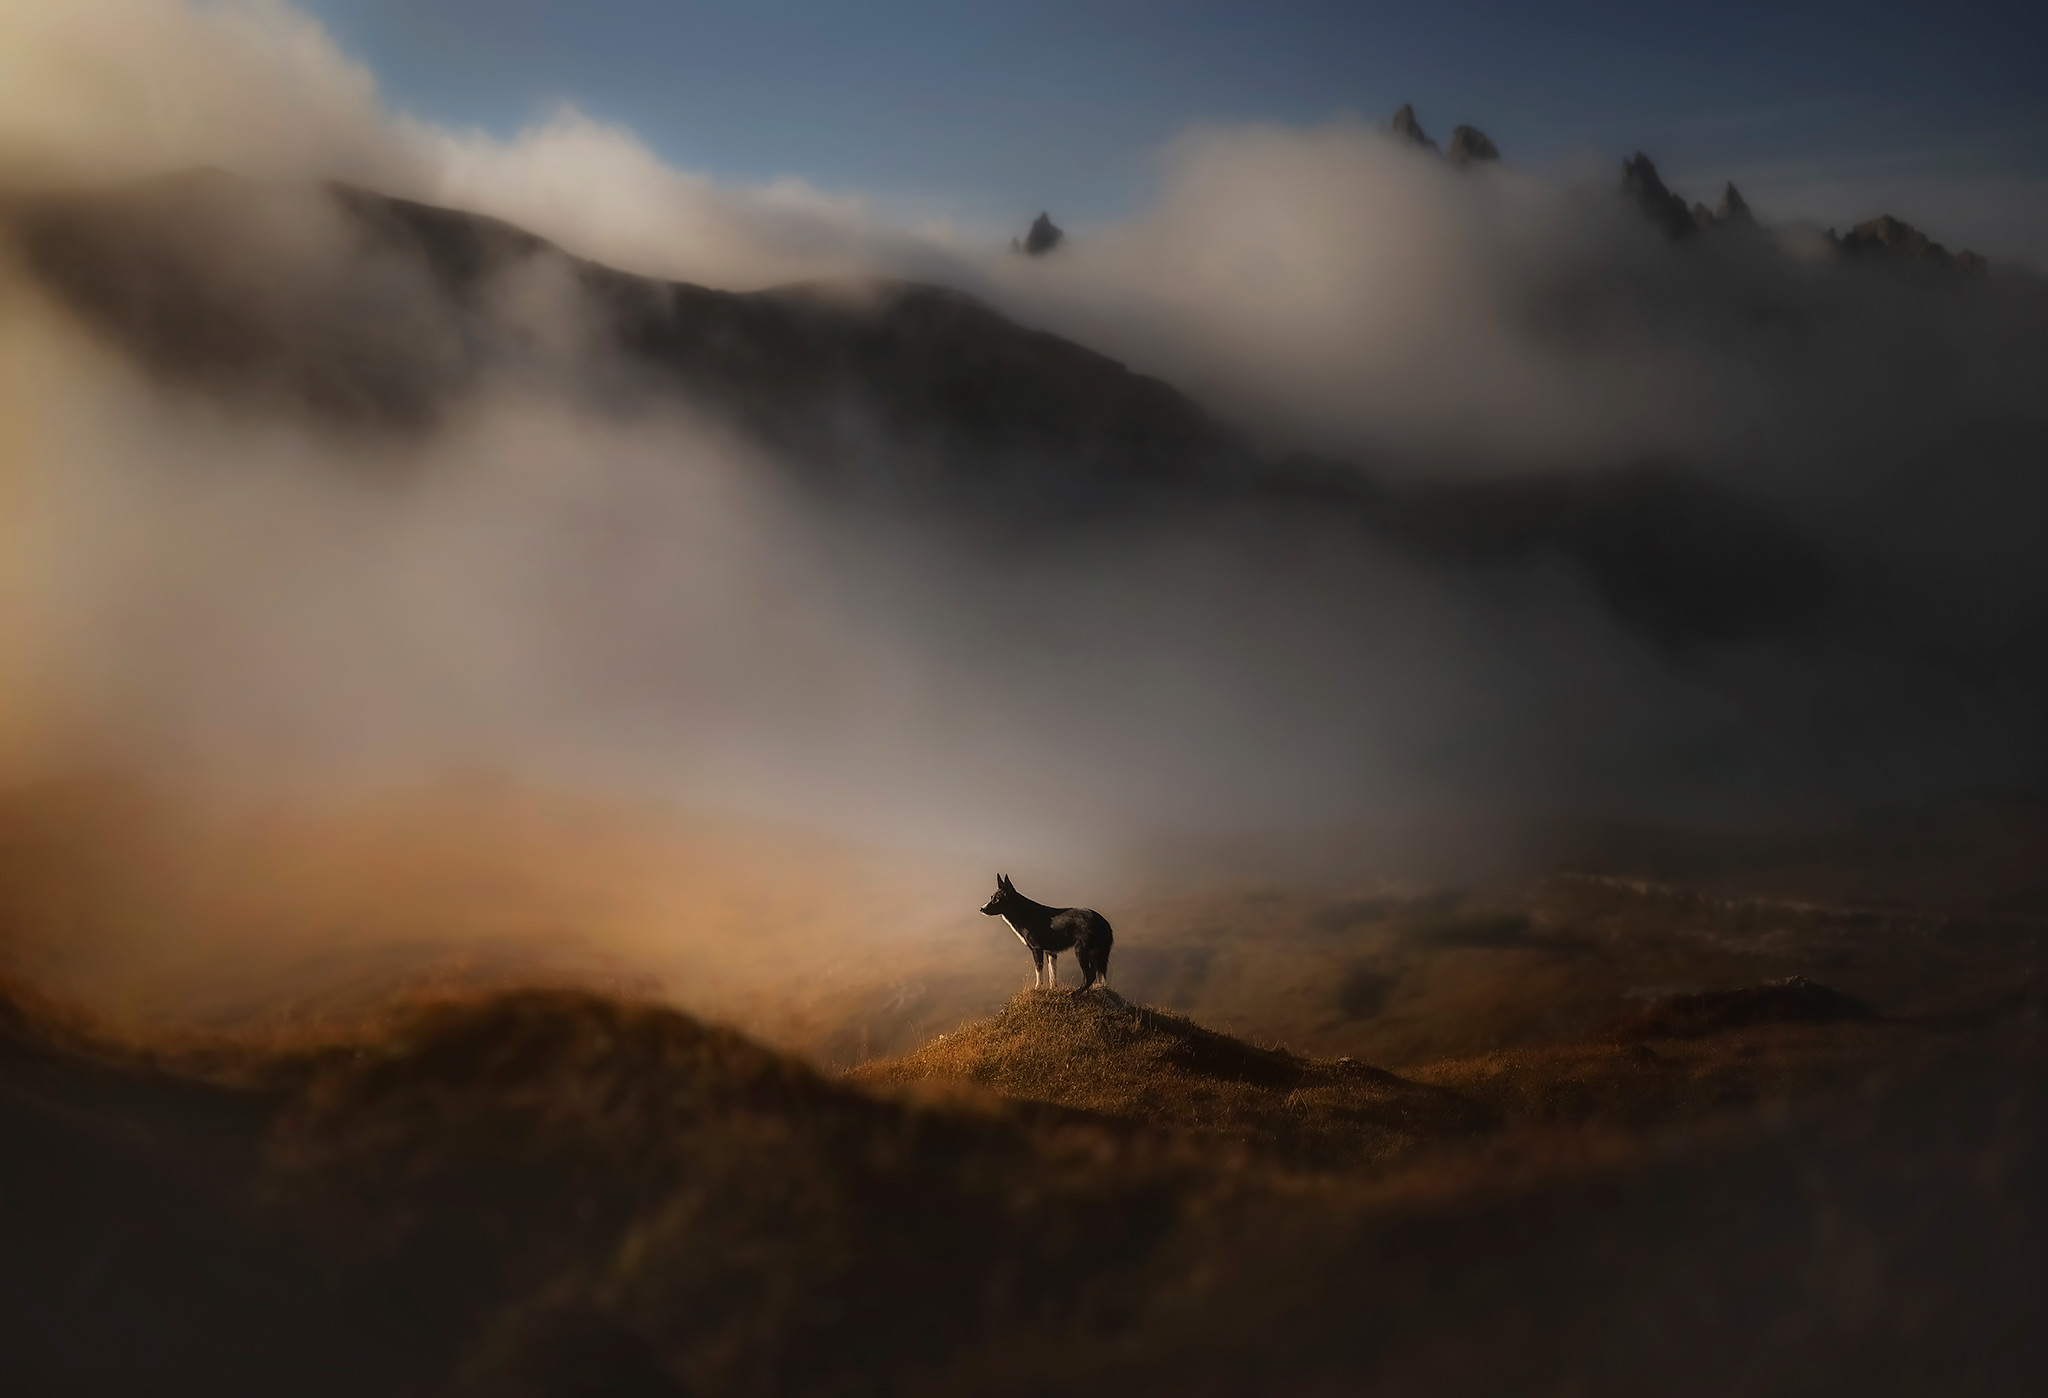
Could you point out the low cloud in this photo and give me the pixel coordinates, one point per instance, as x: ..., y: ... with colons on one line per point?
x: 112, y: 90
x: 1552, y: 431
x: 597, y: 190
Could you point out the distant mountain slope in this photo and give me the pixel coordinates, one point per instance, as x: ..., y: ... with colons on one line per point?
x: 370, y: 311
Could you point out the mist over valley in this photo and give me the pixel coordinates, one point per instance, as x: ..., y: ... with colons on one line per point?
x: 520, y: 660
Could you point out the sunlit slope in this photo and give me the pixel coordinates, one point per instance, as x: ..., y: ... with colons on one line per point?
x: 1096, y: 1051
x: 1681, y: 1059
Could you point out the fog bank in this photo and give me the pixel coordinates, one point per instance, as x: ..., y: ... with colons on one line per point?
x: 1541, y: 515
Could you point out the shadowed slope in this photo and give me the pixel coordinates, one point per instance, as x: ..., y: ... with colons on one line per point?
x: 1637, y: 1086
x: 135, y: 1257
x: 366, y: 311
x: 506, y: 1194
x: 559, y: 1179
x: 560, y: 1193
x: 1793, y: 1000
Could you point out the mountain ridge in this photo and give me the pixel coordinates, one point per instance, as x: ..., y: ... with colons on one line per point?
x: 921, y: 395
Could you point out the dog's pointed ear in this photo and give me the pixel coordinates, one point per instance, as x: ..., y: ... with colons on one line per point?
x: 1003, y: 881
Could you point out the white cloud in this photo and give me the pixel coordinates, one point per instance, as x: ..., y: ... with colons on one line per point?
x: 597, y: 190
x: 105, y: 90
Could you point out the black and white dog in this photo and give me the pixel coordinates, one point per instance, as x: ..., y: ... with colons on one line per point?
x: 1046, y: 932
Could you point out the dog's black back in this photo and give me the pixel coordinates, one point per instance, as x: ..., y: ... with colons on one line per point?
x: 1049, y: 931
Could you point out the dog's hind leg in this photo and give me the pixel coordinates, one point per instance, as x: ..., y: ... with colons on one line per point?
x: 1098, y: 969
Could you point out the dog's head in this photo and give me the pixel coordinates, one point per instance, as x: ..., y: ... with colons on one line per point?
x: 1005, y: 891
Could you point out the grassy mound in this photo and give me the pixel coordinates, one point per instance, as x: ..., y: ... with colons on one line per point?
x: 1095, y: 1051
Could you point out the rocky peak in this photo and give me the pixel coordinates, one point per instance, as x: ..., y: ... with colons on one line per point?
x: 1885, y: 236
x: 1640, y: 182
x: 1734, y: 208
x: 1043, y: 237
x: 1409, y: 129
x: 1469, y: 146
x: 1893, y: 235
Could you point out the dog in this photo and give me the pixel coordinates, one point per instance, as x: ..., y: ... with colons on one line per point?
x: 1046, y: 932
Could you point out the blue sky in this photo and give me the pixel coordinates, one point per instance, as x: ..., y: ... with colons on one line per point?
x: 993, y: 111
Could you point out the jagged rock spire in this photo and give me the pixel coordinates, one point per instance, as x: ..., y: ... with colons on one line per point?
x: 1894, y: 235
x: 1897, y: 238
x: 1409, y: 129
x: 1733, y: 207
x: 1469, y: 146
x: 1045, y: 235
x: 1640, y: 182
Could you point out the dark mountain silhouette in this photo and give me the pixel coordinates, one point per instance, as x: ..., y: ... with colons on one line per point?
x: 1404, y: 125
x: 1733, y: 209
x: 375, y: 314
x: 1043, y: 236
x: 1885, y: 236
x: 1641, y: 182
x: 1731, y: 213
x: 1469, y: 146
x: 1880, y: 237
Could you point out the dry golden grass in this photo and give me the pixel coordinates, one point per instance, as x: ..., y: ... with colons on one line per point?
x: 558, y: 1192
x: 1098, y: 1053
x: 1095, y: 1051
x: 1637, y: 1085
x: 1577, y: 1180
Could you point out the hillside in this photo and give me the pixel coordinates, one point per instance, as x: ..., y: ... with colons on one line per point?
x: 1935, y: 916
x: 557, y: 1192
x: 1680, y: 1059
x: 379, y: 318
x: 1097, y: 1052
x: 366, y: 312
